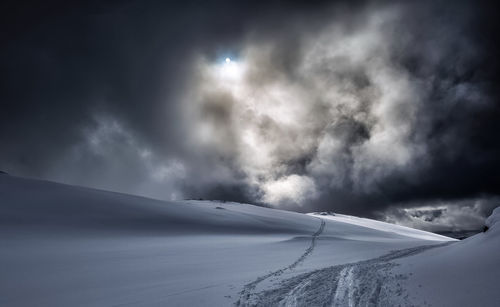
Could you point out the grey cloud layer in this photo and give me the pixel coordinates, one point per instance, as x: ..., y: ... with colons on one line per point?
x: 355, y: 108
x: 465, y: 214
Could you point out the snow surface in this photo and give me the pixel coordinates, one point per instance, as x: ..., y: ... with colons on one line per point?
x: 71, y: 246
x: 466, y: 273
x: 373, y: 224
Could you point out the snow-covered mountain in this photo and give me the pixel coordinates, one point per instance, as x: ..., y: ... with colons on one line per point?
x: 71, y: 246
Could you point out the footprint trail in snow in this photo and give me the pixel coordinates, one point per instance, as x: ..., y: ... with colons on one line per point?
x: 247, y: 297
x: 364, y: 283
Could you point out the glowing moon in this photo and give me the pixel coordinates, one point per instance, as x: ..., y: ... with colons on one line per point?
x: 228, y: 60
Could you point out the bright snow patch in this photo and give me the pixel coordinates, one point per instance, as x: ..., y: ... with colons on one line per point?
x: 382, y: 226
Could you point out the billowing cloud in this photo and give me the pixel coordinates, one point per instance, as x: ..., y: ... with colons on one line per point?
x: 356, y: 112
x: 111, y: 157
x: 365, y: 108
x: 294, y: 188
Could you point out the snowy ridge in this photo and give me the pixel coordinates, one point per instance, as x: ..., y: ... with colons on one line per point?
x: 493, y: 221
x: 378, y: 225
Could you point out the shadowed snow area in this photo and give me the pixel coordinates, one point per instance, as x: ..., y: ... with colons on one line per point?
x: 71, y: 246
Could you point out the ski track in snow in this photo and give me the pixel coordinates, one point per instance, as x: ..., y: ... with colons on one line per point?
x: 247, y: 296
x: 365, y: 283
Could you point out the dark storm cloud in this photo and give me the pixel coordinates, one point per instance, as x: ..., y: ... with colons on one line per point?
x: 357, y: 107
x: 428, y: 215
x: 465, y: 214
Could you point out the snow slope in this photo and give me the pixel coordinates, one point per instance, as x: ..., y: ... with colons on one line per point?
x: 71, y: 246
x: 373, y: 224
x: 463, y: 274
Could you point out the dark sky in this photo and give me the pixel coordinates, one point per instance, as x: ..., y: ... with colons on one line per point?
x: 375, y: 108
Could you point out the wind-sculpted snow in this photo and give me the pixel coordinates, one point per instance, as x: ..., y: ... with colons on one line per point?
x: 364, y: 283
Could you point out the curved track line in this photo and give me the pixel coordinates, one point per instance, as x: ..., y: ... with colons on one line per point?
x: 246, y: 294
x: 365, y: 283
